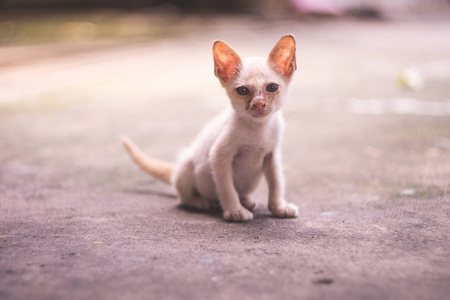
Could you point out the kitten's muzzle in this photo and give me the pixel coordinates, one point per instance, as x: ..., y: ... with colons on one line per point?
x: 258, y: 104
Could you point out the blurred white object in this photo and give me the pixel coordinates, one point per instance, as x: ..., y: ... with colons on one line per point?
x: 324, y: 7
x: 411, y: 78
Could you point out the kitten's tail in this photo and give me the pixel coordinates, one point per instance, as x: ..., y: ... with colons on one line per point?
x: 158, y: 169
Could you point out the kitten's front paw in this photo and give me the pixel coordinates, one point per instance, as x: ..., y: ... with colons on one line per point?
x: 289, y: 210
x: 241, y: 215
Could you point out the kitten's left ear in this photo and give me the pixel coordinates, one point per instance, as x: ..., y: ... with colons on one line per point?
x: 282, y: 57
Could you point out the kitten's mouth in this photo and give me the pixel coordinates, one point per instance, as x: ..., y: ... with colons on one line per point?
x: 259, y: 113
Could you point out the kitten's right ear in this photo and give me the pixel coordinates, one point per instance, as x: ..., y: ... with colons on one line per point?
x: 282, y: 56
x: 227, y: 62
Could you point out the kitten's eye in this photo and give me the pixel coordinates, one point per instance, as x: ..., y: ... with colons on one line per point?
x: 242, y: 90
x: 273, y: 87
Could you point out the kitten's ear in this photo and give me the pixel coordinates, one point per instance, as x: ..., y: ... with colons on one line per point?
x: 227, y: 62
x: 282, y: 57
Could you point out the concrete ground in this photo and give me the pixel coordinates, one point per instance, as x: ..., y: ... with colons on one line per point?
x: 366, y: 160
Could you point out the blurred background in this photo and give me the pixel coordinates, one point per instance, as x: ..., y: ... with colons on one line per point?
x: 371, y: 88
x: 366, y: 150
x: 25, y: 22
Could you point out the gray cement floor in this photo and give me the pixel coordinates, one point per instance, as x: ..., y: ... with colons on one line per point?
x: 80, y: 221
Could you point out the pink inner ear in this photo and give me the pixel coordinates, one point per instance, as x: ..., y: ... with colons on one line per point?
x: 227, y: 62
x: 226, y: 68
x: 282, y: 57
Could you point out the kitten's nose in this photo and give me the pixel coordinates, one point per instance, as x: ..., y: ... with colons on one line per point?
x: 258, y: 105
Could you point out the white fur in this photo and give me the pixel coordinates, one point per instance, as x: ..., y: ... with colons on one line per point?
x: 231, y: 154
x: 227, y: 160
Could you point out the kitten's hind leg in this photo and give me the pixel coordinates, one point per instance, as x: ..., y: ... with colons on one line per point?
x: 248, y: 202
x: 193, y: 199
x: 197, y: 202
x: 184, y: 184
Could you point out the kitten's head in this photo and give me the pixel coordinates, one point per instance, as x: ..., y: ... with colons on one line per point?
x: 256, y: 86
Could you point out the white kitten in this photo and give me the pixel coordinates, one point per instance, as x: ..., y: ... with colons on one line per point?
x: 226, y: 161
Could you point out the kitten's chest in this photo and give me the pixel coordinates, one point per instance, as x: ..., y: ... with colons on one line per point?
x: 254, y: 142
x: 263, y: 139
x: 250, y: 156
x: 256, y: 147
